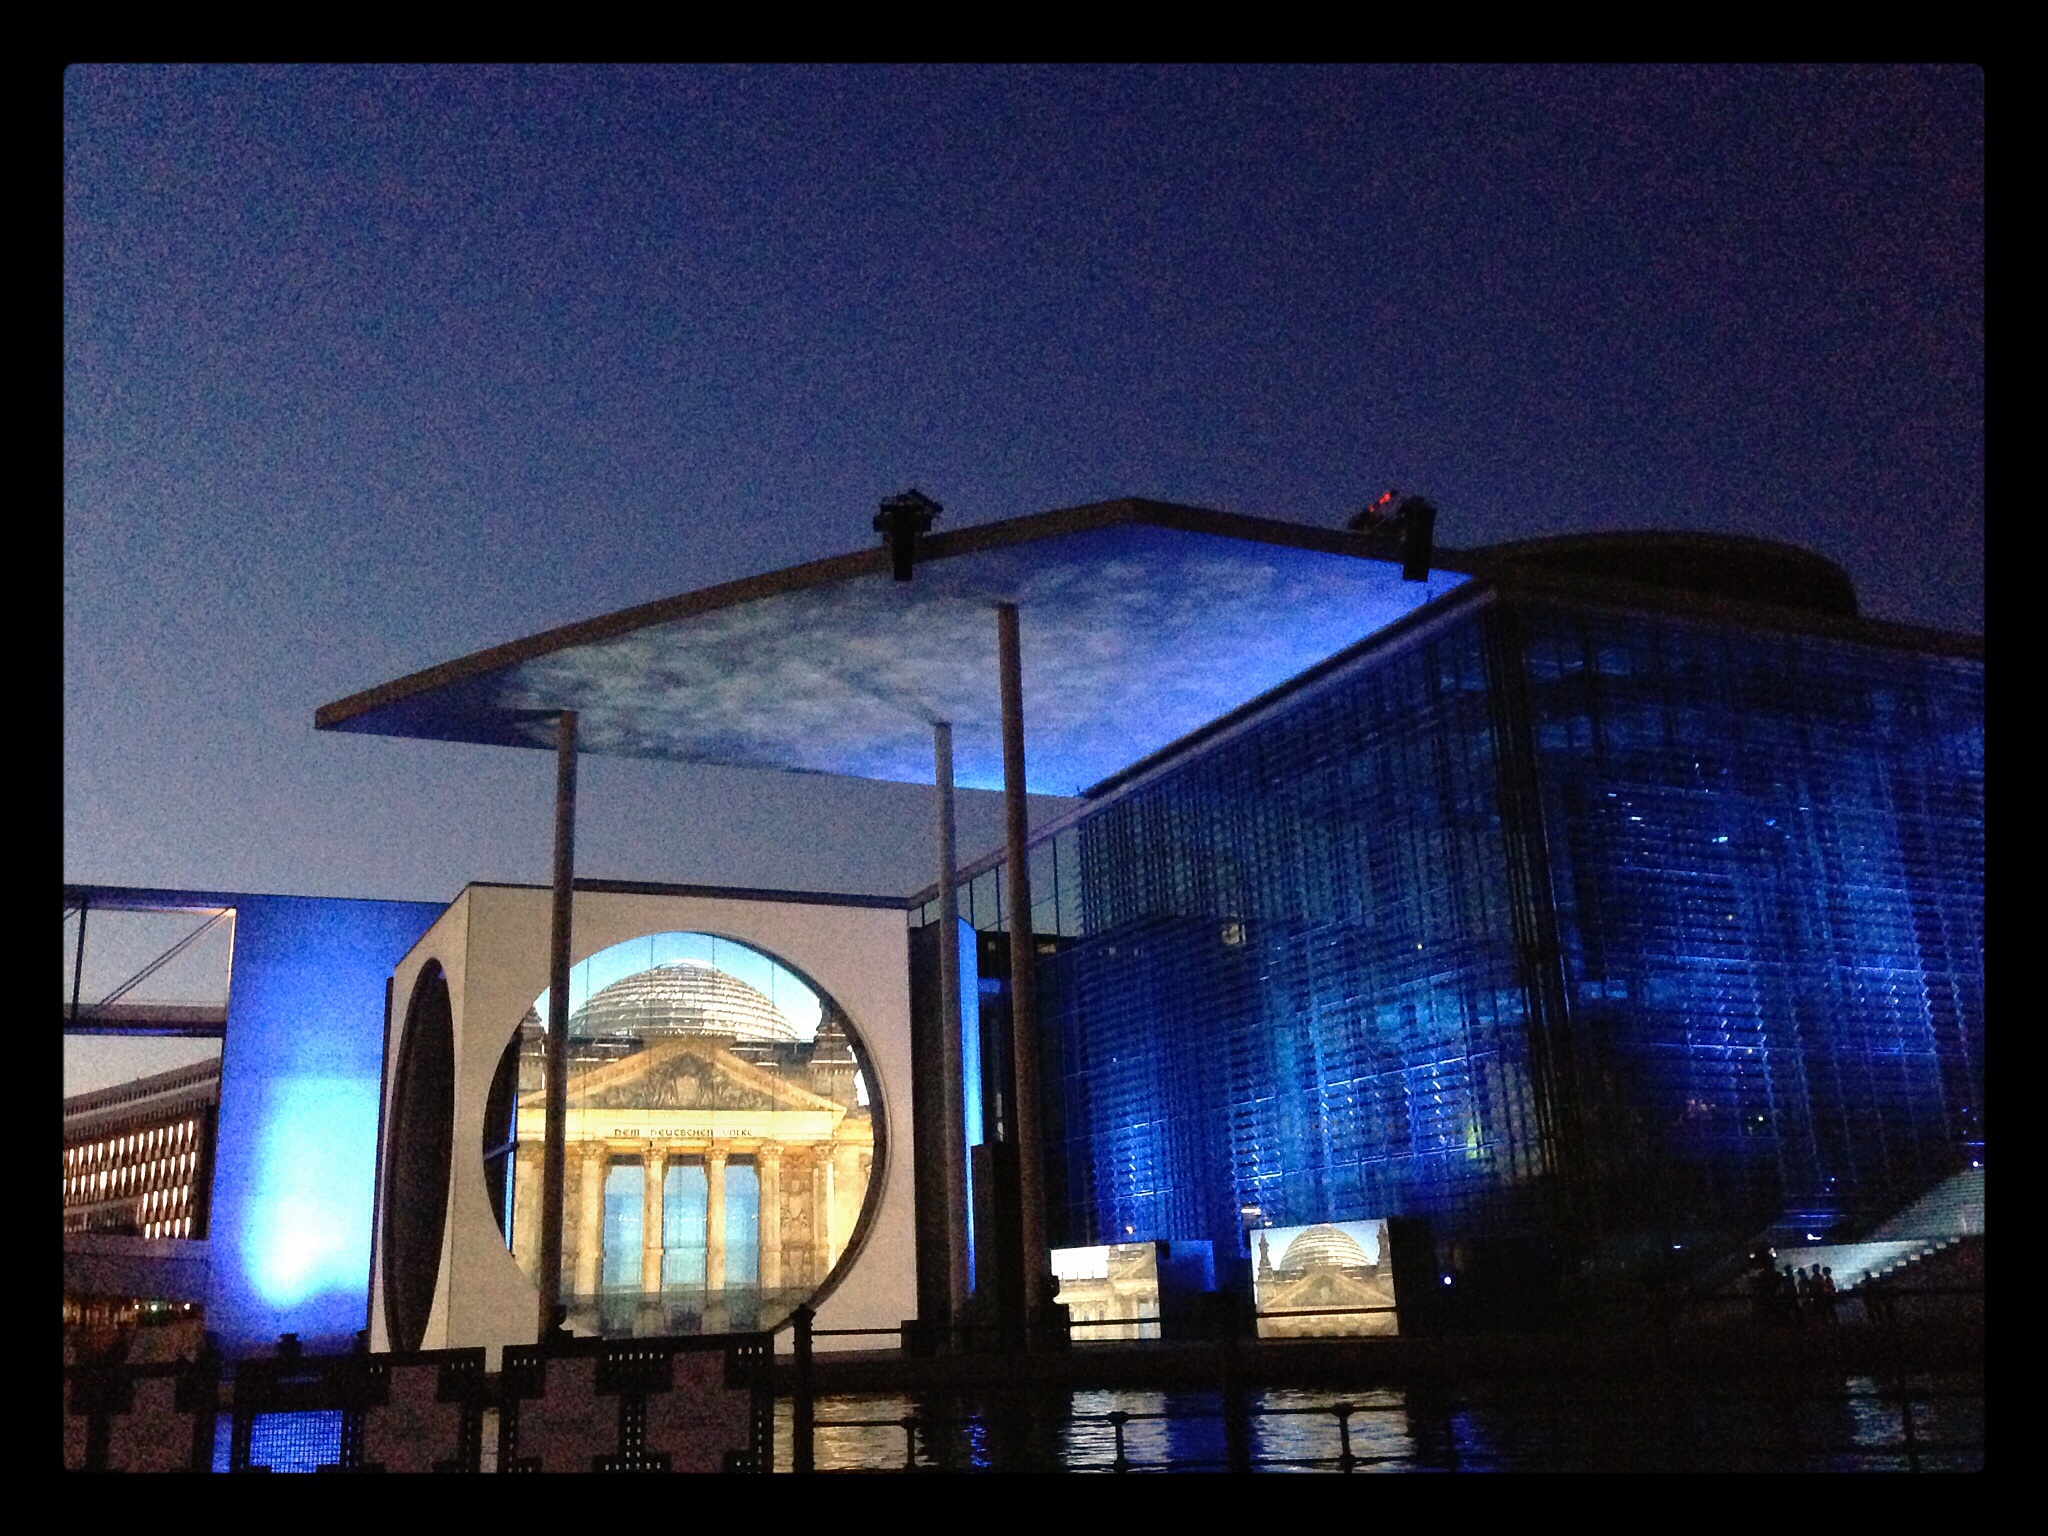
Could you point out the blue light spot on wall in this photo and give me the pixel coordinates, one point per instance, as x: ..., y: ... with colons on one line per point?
x: 970, y: 1067
x: 294, y: 1184
x: 308, y: 1232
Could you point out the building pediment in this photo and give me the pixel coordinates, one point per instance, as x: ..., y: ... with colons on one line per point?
x: 1327, y: 1288
x: 689, y: 1073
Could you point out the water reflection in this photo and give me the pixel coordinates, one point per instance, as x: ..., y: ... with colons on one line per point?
x: 1855, y: 1425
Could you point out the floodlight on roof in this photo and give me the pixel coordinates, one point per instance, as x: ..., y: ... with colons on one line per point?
x: 900, y: 521
x: 1410, y: 518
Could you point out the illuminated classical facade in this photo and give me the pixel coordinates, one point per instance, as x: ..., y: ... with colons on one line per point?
x: 1320, y: 1282
x: 714, y: 1159
x: 1111, y: 1292
x: 735, y: 1061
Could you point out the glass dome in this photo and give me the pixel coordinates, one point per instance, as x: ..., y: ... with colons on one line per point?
x: 1323, y: 1247
x: 683, y: 997
x: 720, y: 1139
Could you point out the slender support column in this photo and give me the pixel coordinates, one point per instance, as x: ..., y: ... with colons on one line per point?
x: 655, y: 1166
x: 769, y: 1161
x: 846, y: 1191
x: 78, y: 961
x: 821, y: 1215
x: 952, y: 1117
x: 1023, y: 953
x: 835, y: 1238
x: 714, y: 1219
x: 552, y: 1161
x: 590, y: 1220
x: 526, y: 1201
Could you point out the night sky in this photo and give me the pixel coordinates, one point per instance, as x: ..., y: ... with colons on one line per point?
x: 366, y: 370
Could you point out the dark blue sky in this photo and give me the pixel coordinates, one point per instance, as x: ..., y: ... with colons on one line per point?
x: 366, y: 369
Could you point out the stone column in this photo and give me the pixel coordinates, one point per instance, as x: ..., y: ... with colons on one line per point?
x: 846, y: 1191
x: 527, y: 1158
x: 821, y: 1214
x: 768, y: 1162
x: 590, y: 1219
x: 714, y: 1219
x: 655, y: 1160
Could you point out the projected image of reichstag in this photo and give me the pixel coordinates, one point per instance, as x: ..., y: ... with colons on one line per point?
x: 719, y: 1147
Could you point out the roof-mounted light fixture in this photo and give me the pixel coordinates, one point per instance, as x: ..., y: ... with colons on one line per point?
x: 1410, y: 518
x: 900, y: 521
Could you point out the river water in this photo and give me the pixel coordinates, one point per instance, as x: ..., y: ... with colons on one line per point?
x: 1849, y: 1424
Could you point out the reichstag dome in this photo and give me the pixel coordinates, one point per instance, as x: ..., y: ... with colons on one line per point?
x: 685, y: 997
x: 1322, y: 1247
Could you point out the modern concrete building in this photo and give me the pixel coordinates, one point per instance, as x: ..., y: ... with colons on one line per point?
x: 1561, y: 906
x: 735, y: 1148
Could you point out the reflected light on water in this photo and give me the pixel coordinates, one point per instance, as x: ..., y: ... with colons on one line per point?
x: 1856, y: 1424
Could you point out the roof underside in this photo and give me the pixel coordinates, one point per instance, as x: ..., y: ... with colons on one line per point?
x: 1139, y: 622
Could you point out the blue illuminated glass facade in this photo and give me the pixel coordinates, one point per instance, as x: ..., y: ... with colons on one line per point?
x: 624, y: 1192
x: 686, y: 1197
x: 1570, y: 928
x: 742, y: 1224
x: 1297, y: 983
x: 1766, y: 860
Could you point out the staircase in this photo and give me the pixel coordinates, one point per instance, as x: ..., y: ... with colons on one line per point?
x: 1939, y: 1219
x: 1953, y: 1208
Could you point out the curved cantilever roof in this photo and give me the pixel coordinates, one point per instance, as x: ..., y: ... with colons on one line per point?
x: 1139, y: 621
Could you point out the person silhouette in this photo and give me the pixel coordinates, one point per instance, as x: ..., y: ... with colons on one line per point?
x: 1763, y: 1289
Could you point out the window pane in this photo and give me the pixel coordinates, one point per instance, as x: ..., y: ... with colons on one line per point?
x: 742, y: 1225
x: 623, y: 1186
x: 684, y: 1204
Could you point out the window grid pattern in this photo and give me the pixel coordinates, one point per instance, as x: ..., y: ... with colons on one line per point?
x: 283, y: 1442
x: 1288, y: 975
x: 141, y: 1182
x: 1295, y: 983
x: 1766, y: 856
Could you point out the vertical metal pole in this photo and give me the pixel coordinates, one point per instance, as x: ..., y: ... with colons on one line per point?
x: 803, y: 1402
x: 1023, y: 952
x: 952, y: 1115
x: 555, y: 1148
x: 1237, y: 1440
x: 78, y: 965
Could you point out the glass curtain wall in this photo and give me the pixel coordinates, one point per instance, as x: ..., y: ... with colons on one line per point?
x: 1296, y: 985
x: 1767, y: 861
x: 1558, y: 926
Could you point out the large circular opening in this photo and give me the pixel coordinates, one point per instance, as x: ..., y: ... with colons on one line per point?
x: 416, y: 1159
x: 721, y: 1138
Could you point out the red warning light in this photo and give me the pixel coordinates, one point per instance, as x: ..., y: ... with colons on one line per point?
x: 1376, y: 512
